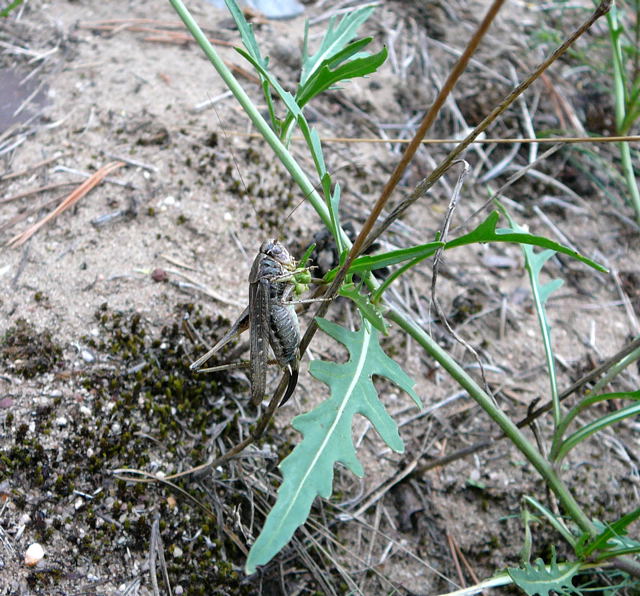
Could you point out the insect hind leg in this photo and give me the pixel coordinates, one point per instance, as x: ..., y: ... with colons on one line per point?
x: 240, y: 326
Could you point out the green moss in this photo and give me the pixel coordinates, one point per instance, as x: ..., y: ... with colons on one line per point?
x: 160, y: 413
x: 29, y: 352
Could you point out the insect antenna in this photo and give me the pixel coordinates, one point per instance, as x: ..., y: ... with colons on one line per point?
x: 227, y: 139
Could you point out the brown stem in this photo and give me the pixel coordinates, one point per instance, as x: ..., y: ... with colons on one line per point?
x: 428, y: 182
x: 410, y: 151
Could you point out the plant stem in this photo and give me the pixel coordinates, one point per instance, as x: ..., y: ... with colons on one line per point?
x: 254, y: 115
x: 620, y: 107
x: 616, y: 369
x: 630, y: 177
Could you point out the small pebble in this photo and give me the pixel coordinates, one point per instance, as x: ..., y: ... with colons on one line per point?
x: 25, y: 519
x: 62, y: 421
x: 34, y: 555
x: 159, y: 275
x: 87, y: 356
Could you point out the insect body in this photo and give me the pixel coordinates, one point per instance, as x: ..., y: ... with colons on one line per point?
x: 271, y: 321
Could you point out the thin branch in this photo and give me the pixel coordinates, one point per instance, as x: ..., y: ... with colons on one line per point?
x: 73, y: 198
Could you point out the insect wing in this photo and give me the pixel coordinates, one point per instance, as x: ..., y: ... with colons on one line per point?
x: 259, y: 337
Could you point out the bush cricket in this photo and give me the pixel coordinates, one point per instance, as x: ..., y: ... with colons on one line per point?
x: 271, y: 320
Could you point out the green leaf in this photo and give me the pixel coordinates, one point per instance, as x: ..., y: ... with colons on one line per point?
x: 306, y: 256
x: 487, y: 232
x: 246, y: 33
x: 286, y: 97
x: 543, y: 580
x: 588, y: 402
x: 394, y: 257
x: 325, y: 77
x: 541, y: 292
x: 534, y: 262
x: 334, y: 205
x: 369, y: 311
x: 555, y: 520
x: 12, y: 6
x: 327, y: 434
x: 334, y: 41
x: 312, y: 138
x: 593, y: 427
x: 612, y: 538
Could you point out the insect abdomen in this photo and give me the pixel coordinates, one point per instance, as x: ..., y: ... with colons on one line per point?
x: 285, y: 333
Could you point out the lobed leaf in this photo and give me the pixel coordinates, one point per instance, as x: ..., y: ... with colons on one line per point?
x: 540, y: 579
x: 327, y: 434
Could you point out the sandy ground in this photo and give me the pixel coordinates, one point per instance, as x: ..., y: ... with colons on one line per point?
x: 93, y: 306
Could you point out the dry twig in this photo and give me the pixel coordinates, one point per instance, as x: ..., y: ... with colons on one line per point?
x: 69, y: 201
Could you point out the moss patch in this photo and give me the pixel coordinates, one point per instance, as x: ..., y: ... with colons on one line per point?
x: 28, y: 352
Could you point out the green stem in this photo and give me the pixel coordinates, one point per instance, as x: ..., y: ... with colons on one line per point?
x: 615, y: 370
x: 260, y: 123
x: 620, y: 96
x: 554, y: 520
x: 543, y: 467
x: 630, y: 177
x: 618, y: 68
x: 587, y: 402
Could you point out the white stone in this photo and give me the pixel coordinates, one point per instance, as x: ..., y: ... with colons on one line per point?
x: 87, y: 356
x: 34, y: 554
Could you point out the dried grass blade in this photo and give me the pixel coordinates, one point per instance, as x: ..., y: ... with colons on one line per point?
x: 69, y: 201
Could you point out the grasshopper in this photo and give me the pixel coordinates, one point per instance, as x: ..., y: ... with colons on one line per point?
x: 269, y: 317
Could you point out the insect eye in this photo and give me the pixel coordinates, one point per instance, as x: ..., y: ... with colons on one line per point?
x: 269, y: 247
x: 276, y: 250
